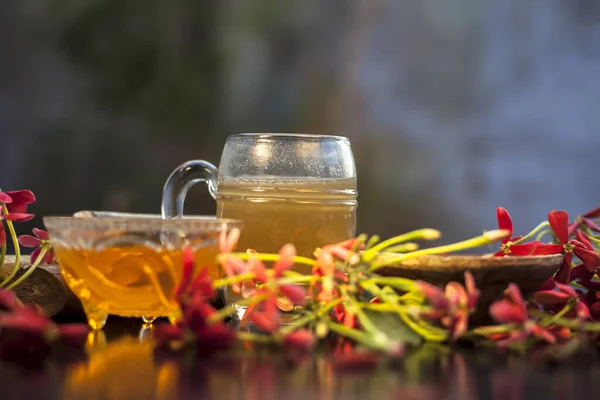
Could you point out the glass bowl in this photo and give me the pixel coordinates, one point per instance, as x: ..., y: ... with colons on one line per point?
x: 130, y: 266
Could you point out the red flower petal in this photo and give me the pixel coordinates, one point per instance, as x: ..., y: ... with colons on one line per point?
x: 202, y: 284
x: 295, y: 293
x: 564, y: 272
x: 42, y: 234
x: 34, y: 255
x: 472, y: 290
x: 543, y: 334
x: 20, y: 200
x: 456, y: 294
x: 165, y: 333
x: 8, y: 300
x: 504, y: 221
x: 228, y: 241
x: 559, y: 222
x: 301, y: 339
x: 595, y: 213
x: 543, y: 249
x: 74, y: 335
x: 567, y: 289
x: 25, y: 319
x: 433, y: 294
x: 285, y: 261
x: 18, y: 217
x: 4, y: 198
x: 504, y: 311
x: 258, y: 268
x: 2, y: 234
x: 213, y: 339
x: 591, y: 224
x: 550, y: 297
x: 521, y: 249
x: 29, y: 241
x: 514, y: 293
x: 590, y: 258
x: 585, y: 240
x: 583, y: 311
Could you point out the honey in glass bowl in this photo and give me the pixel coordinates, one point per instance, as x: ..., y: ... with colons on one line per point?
x: 131, y: 266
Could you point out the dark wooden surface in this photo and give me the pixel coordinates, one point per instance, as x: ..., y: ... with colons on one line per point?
x: 119, y: 366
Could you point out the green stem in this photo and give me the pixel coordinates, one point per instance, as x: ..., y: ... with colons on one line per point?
x: 556, y: 316
x: 373, y: 240
x: 254, y: 337
x: 13, y: 236
x: 423, y: 329
x: 395, y: 308
x: 403, y: 248
x: 353, y: 306
x: 404, y: 284
x: 31, y: 269
x: 2, y: 254
x: 594, y: 240
x: 426, y: 234
x: 531, y: 234
x: 232, y: 308
x: 542, y: 234
x: 232, y: 279
x: 299, y: 323
x: 357, y: 336
x: 577, y: 325
x: 485, y: 239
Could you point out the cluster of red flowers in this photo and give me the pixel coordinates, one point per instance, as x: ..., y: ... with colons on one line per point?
x: 27, y: 336
x: 13, y: 207
x: 197, y: 326
x: 575, y: 285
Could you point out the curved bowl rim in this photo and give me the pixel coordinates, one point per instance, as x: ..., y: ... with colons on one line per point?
x: 192, y: 224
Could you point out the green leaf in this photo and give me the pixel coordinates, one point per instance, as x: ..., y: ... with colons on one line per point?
x: 394, y: 328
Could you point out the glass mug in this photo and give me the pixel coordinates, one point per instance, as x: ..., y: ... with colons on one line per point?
x: 286, y: 188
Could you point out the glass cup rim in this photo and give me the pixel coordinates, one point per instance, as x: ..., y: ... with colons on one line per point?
x: 267, y: 136
x: 191, y: 224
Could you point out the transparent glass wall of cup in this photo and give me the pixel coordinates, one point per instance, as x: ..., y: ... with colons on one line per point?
x: 286, y: 188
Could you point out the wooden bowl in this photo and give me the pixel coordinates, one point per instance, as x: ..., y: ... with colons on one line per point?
x: 492, y: 274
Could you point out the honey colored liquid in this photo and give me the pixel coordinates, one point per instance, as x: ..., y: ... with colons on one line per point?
x: 308, y: 213
x: 129, y: 281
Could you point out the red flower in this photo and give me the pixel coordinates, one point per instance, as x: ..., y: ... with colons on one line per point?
x: 558, y: 299
x: 512, y: 310
x: 508, y: 248
x: 40, y: 239
x: 453, y: 305
x: 194, y: 295
x: 265, y: 314
x: 559, y: 222
x: 586, y: 220
x: 25, y: 330
x: 15, y: 204
x: 19, y: 199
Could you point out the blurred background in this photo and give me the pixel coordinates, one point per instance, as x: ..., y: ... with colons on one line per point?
x: 453, y: 107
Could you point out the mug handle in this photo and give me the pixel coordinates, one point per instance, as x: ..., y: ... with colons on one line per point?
x: 181, y: 180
